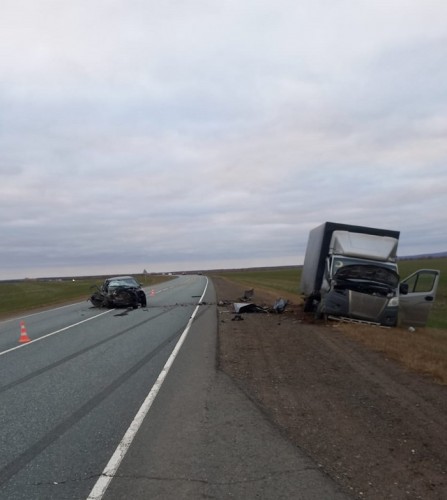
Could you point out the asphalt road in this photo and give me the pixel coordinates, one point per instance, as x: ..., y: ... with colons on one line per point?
x: 68, y: 398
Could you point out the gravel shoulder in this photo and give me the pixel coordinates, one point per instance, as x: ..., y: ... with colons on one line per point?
x: 379, y: 431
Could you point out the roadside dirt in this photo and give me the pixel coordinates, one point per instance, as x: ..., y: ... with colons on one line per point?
x: 376, y: 429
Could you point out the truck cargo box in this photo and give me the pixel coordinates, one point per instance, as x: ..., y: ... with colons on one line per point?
x: 360, y: 240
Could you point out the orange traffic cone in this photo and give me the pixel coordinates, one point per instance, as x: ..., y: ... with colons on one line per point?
x: 23, y: 334
x: 152, y: 292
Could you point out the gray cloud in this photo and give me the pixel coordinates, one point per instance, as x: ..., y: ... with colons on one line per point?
x: 197, y: 134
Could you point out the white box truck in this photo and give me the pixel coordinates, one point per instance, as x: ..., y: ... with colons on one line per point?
x: 351, y: 271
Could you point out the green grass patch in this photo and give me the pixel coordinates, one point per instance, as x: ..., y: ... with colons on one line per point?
x: 282, y: 280
x: 19, y: 296
x: 288, y: 280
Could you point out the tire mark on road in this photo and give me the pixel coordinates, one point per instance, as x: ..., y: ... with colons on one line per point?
x: 60, y: 362
x: 13, y: 467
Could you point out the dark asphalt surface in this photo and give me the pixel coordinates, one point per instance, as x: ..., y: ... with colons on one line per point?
x: 68, y: 397
x: 66, y: 402
x: 203, y: 438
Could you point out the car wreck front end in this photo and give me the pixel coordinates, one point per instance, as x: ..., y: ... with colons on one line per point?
x: 364, y: 291
x: 120, y: 291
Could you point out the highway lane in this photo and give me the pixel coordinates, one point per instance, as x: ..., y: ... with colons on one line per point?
x: 204, y: 438
x: 68, y: 397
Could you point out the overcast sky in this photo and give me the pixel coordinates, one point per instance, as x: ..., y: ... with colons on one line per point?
x: 203, y: 134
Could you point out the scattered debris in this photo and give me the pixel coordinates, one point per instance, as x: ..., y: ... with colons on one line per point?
x: 243, y: 307
x: 249, y: 307
x: 248, y: 294
x: 224, y: 303
x: 280, y: 305
x: 237, y: 317
x: 343, y: 319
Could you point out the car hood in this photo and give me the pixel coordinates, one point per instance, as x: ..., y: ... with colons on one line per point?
x: 377, y: 274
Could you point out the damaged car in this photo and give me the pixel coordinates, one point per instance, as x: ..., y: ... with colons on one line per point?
x: 119, y: 291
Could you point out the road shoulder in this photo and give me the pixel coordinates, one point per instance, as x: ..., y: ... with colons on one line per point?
x: 377, y: 429
x: 204, y: 438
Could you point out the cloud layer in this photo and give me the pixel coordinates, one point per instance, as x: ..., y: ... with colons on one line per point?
x: 188, y: 135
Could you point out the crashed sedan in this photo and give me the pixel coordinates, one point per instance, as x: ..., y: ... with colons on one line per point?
x: 119, y: 291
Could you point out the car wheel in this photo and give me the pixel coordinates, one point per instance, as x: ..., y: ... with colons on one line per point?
x: 142, y: 298
x: 97, y: 300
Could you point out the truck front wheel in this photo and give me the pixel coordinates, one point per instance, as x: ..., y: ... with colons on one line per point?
x: 320, y: 312
x: 311, y: 302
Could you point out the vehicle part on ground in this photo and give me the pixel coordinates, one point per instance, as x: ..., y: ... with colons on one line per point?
x: 248, y: 295
x: 249, y: 307
x: 280, y: 306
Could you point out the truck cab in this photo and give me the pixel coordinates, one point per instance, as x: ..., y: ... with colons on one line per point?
x: 363, y: 289
x: 351, y: 272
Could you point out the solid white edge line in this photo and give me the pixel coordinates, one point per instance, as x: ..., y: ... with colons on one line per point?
x: 54, y: 333
x: 111, y: 468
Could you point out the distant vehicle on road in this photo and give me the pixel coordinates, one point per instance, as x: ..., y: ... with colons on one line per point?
x: 119, y: 291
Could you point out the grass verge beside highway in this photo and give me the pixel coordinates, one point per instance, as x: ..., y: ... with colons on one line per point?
x: 26, y: 295
x: 286, y: 281
x: 423, y: 351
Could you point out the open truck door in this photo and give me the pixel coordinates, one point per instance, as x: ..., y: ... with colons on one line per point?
x: 418, y: 292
